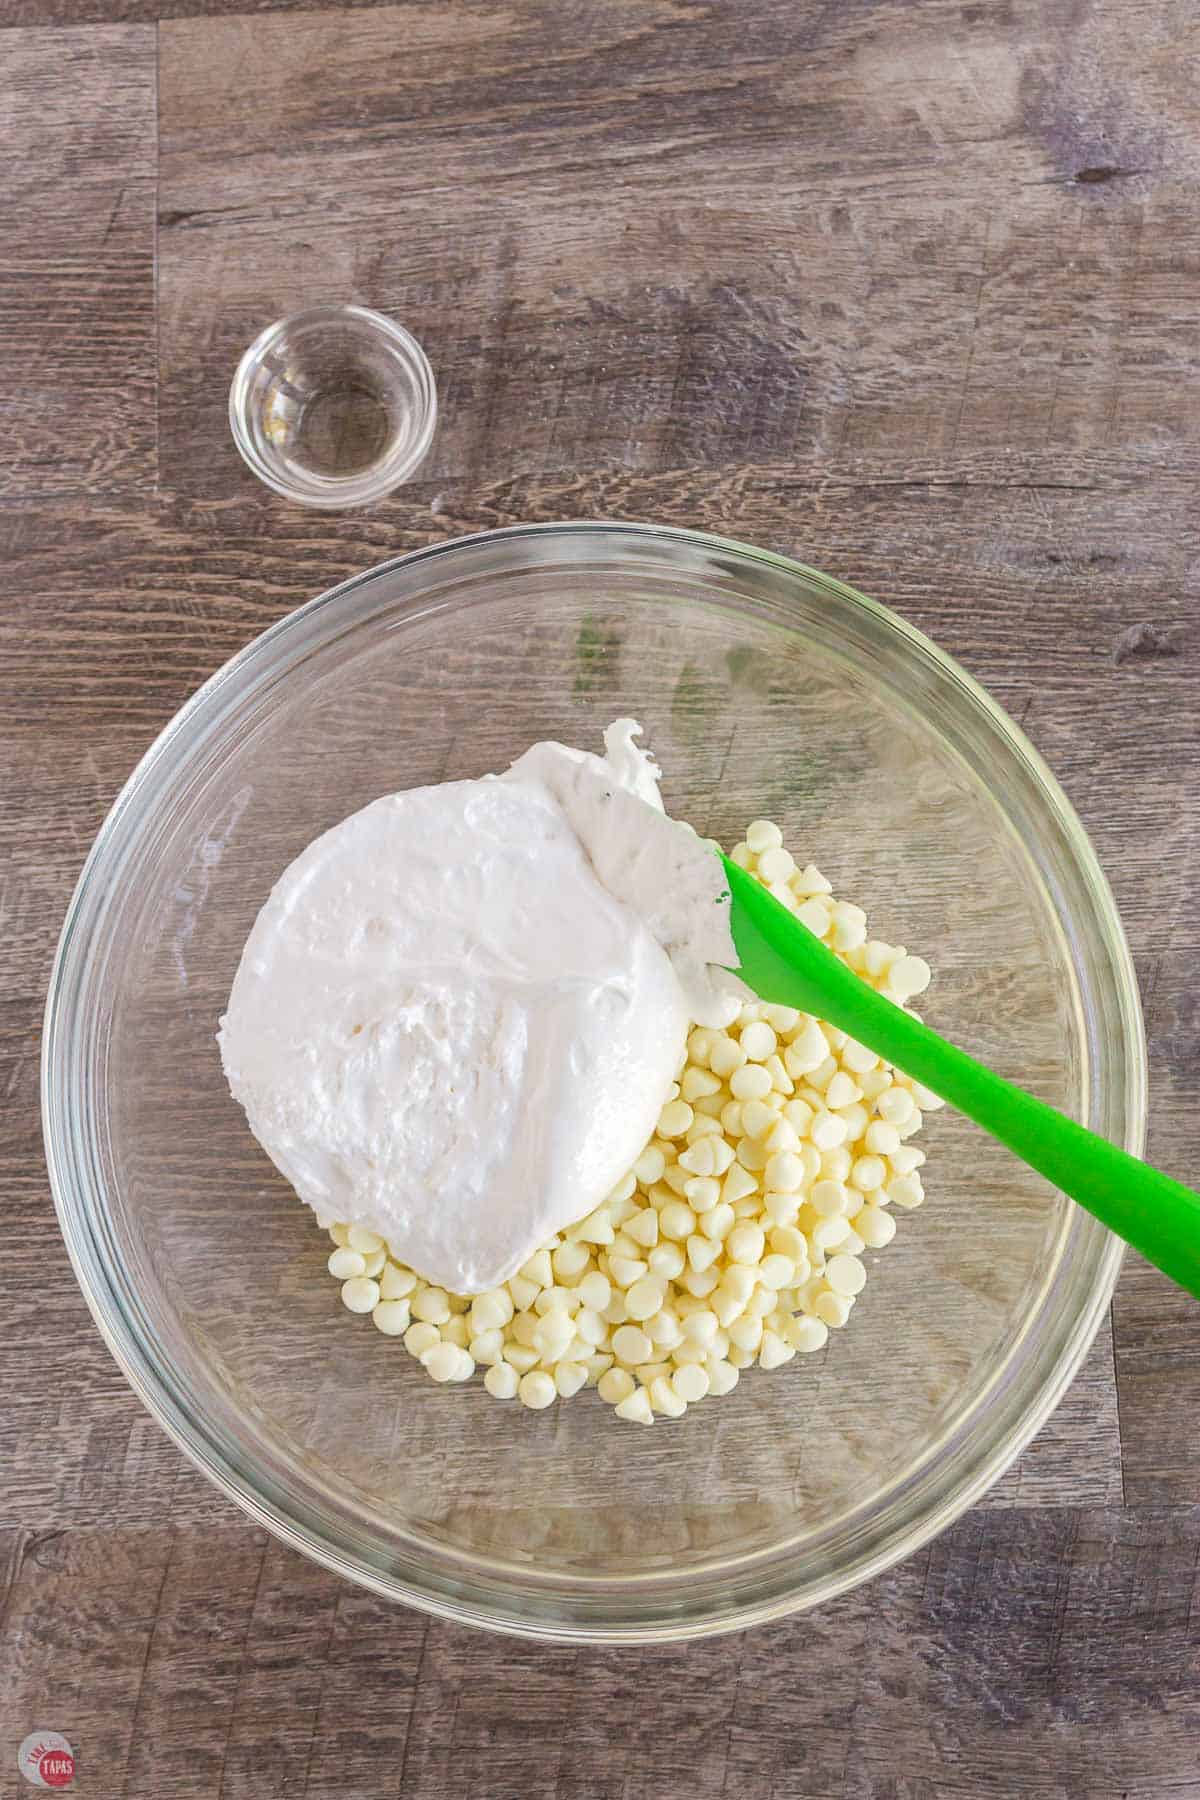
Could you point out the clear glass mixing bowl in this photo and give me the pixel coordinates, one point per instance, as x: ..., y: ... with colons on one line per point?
x: 765, y: 688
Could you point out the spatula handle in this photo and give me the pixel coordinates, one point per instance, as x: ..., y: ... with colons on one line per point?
x: 783, y: 961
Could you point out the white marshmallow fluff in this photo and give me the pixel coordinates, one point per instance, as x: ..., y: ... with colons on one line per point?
x: 459, y: 1014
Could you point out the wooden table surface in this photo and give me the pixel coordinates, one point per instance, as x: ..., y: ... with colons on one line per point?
x: 908, y: 287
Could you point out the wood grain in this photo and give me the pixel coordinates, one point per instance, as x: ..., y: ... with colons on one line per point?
x: 1048, y: 1654
x: 658, y: 247
x: 903, y: 287
x: 77, y: 313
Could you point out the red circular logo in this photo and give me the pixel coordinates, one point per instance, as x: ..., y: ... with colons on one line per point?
x: 56, y: 1768
x: 47, y: 1760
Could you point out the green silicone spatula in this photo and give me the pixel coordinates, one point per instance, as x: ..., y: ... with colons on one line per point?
x: 783, y: 961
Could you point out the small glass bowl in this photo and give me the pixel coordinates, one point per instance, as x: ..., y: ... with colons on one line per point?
x: 334, y: 406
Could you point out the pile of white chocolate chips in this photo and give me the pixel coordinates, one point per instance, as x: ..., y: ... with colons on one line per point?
x: 738, y: 1236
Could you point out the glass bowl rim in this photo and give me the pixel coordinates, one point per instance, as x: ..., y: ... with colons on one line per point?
x: 445, y: 1595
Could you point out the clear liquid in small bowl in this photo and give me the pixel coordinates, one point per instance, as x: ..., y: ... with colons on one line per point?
x: 342, y: 430
x: 334, y: 407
